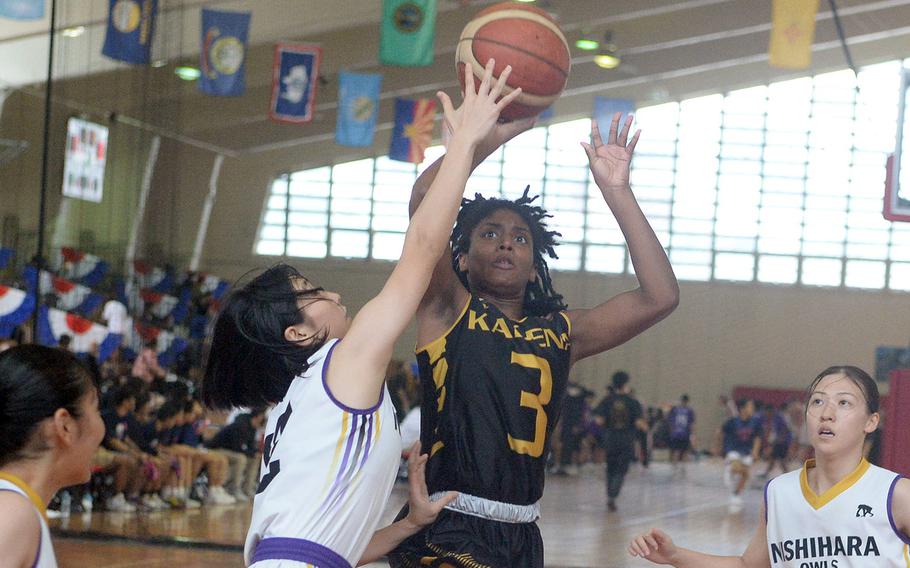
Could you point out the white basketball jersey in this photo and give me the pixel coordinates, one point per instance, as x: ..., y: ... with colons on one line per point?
x: 45, y: 558
x: 327, y: 470
x: 848, y: 526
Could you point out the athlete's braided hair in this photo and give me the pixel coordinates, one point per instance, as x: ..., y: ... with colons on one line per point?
x: 540, y: 297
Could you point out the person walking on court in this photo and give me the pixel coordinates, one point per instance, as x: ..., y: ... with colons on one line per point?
x: 742, y: 436
x: 680, y: 422
x: 50, y: 427
x: 496, y: 343
x: 331, y: 446
x: 837, y: 511
x: 621, y: 416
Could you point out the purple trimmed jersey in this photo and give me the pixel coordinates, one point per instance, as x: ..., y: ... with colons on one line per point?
x: 326, y: 474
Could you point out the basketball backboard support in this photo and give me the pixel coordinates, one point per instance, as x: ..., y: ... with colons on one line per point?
x: 897, y: 180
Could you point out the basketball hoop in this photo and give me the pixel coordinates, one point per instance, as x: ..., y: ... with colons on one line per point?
x: 897, y: 179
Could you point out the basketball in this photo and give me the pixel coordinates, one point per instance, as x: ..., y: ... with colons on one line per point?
x: 526, y: 38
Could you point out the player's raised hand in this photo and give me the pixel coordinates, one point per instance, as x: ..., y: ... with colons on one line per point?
x: 478, y: 114
x: 610, y: 162
x: 422, y: 511
x: 655, y: 545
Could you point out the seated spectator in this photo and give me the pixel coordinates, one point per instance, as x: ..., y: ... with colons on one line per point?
x: 239, y: 442
x: 146, y: 365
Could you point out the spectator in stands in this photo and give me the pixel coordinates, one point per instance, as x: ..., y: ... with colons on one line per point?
x: 186, y: 441
x: 238, y: 441
x: 146, y: 365
x: 152, y: 437
x: 117, y: 420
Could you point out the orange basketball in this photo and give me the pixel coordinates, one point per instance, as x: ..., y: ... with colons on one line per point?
x: 528, y: 39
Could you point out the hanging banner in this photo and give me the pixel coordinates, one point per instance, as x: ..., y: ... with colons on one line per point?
x: 223, y: 54
x: 408, y: 30
x: 358, y: 108
x: 85, y: 159
x: 295, y: 74
x: 130, y: 28
x: 792, y: 32
x: 413, y: 129
x: 22, y: 9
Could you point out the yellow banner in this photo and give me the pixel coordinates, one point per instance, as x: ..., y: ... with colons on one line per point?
x: 792, y: 32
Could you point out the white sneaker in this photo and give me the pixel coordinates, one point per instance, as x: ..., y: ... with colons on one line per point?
x: 191, y: 503
x: 218, y: 496
x: 119, y: 504
x: 736, y: 503
x: 156, y: 503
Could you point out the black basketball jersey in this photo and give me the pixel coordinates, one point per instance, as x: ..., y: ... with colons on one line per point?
x: 492, y: 392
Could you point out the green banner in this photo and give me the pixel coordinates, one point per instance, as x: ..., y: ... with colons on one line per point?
x: 408, y: 29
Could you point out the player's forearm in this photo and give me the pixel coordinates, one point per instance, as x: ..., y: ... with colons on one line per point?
x: 431, y: 224
x: 426, y: 178
x: 655, y: 275
x: 386, y: 539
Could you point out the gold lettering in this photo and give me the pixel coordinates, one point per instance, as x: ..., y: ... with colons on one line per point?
x: 474, y: 321
x: 552, y: 337
x: 535, y: 334
x: 500, y: 326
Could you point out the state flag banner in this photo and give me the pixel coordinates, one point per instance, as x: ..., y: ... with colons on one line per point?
x: 358, y: 108
x: 413, y: 129
x: 792, y: 33
x: 408, y: 31
x: 22, y: 9
x: 130, y: 28
x: 223, y: 52
x: 295, y: 74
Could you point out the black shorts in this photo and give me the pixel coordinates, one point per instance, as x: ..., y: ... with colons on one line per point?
x: 679, y: 445
x: 456, y: 540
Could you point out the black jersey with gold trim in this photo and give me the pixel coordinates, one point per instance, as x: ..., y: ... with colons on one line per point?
x: 492, y: 392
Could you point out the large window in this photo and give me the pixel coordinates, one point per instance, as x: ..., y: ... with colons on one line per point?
x: 780, y: 184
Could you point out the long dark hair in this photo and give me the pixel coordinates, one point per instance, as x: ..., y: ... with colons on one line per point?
x: 858, y: 377
x: 36, y: 381
x: 540, y: 297
x: 249, y: 362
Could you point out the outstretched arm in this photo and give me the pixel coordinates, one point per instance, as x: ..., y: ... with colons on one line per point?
x: 358, y: 366
x: 421, y: 511
x: 659, y: 548
x: 625, y: 315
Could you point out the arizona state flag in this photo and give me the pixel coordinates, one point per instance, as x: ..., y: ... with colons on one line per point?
x: 792, y: 32
x: 408, y: 28
x: 413, y: 129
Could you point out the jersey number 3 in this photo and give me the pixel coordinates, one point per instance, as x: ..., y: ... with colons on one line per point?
x: 534, y: 448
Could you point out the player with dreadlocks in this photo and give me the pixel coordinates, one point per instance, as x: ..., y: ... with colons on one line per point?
x: 495, y: 346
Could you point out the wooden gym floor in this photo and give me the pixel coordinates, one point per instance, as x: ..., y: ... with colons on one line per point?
x: 577, y: 529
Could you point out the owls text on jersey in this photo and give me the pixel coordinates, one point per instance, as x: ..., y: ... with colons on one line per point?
x: 493, y: 389
x: 848, y: 526
x: 45, y: 557
x: 327, y: 471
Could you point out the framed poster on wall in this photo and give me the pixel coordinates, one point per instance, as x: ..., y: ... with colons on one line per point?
x: 86, y: 153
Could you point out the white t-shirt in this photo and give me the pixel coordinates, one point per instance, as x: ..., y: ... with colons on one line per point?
x: 327, y: 471
x: 848, y: 526
x: 116, y: 317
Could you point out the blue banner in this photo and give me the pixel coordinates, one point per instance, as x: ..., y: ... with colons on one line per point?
x: 130, y: 27
x: 358, y: 108
x: 604, y: 108
x: 294, y: 77
x: 413, y: 129
x: 223, y: 55
x: 22, y: 9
